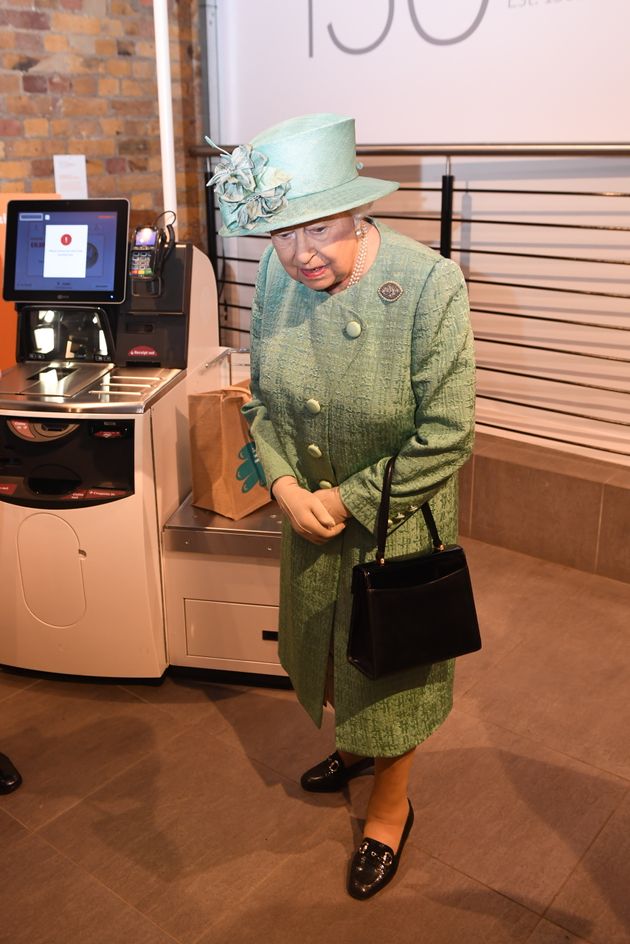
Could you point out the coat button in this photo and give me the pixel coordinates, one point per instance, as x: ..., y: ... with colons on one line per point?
x: 325, y: 484
x: 353, y: 329
x: 313, y: 406
x: 314, y: 451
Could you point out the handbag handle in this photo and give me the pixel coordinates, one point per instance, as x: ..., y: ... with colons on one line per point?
x: 383, y: 516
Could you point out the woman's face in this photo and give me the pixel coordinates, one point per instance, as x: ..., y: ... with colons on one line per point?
x: 319, y: 254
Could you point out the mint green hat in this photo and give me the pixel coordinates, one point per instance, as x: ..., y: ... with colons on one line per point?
x: 299, y: 170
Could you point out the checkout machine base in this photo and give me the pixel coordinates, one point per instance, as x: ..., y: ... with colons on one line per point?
x: 221, y: 584
x: 81, y: 517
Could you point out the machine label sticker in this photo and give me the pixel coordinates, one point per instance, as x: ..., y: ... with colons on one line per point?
x: 21, y: 428
x: 105, y: 492
x: 7, y: 488
x: 142, y: 350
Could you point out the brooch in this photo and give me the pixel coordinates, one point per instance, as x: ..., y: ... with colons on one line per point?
x: 390, y: 291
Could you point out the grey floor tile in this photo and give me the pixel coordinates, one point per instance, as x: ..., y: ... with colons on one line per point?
x: 68, y: 738
x: 10, y: 829
x: 518, y: 598
x: 304, y: 899
x: 11, y: 682
x: 511, y: 814
x: 567, y: 686
x: 188, y: 700
x: 45, y: 899
x: 276, y: 731
x: 186, y: 833
x: 548, y: 933
x: 595, y: 902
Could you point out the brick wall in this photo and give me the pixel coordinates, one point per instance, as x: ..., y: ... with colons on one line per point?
x: 78, y: 77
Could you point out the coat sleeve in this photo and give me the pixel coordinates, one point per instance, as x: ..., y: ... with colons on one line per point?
x: 443, y: 381
x: 270, y: 452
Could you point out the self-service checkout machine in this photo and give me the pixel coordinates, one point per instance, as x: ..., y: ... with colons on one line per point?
x: 94, y: 442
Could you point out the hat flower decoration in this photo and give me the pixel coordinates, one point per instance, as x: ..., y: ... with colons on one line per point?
x: 249, y: 190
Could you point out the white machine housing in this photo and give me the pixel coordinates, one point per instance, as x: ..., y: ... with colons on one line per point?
x: 82, y: 585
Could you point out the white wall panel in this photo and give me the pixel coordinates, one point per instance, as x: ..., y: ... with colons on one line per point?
x: 428, y: 70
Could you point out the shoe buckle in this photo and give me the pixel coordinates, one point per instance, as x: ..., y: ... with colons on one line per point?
x: 385, y: 858
x: 333, y: 766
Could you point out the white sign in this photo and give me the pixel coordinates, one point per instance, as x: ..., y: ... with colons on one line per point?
x: 65, y: 250
x: 428, y: 71
x: 70, y: 176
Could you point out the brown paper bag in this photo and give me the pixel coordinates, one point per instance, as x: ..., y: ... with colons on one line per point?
x: 226, y: 475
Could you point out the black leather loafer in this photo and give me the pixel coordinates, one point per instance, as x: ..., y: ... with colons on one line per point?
x: 332, y: 774
x: 10, y: 778
x: 374, y: 864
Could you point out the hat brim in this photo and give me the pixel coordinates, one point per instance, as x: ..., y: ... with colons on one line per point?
x: 315, y: 206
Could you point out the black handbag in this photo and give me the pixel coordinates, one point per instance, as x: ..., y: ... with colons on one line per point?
x: 410, y: 611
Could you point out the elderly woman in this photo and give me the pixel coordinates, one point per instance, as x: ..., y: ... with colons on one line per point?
x: 361, y: 349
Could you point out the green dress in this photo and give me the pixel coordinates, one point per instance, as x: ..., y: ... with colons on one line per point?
x: 340, y: 383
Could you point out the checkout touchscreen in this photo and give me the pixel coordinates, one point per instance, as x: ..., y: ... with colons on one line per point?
x: 66, y: 251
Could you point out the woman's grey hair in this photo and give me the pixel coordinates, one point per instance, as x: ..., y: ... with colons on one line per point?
x: 360, y: 213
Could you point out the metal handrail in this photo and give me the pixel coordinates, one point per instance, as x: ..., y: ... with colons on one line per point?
x: 613, y: 149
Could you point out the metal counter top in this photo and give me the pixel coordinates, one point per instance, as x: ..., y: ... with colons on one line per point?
x: 194, y: 530
x: 68, y: 386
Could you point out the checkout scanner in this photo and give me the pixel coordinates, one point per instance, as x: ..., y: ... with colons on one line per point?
x: 94, y: 444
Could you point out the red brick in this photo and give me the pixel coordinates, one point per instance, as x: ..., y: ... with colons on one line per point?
x: 32, y: 147
x: 42, y: 167
x: 80, y: 107
x: 59, y: 84
x: 105, y: 47
x: 123, y: 107
x: 133, y: 146
x: 37, y: 84
x: 29, y: 4
x: 87, y: 129
x: 31, y: 43
x: 29, y: 105
x: 10, y: 84
x: 9, y: 127
x: 25, y: 19
x: 85, y: 85
x: 116, y: 165
x: 15, y: 170
x: 121, y: 8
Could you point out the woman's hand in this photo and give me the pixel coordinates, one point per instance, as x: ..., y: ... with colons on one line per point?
x: 308, y: 515
x: 331, y: 500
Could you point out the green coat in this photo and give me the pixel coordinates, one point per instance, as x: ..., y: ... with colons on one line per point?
x: 400, y: 377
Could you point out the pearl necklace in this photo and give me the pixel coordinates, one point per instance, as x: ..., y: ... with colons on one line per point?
x: 359, y: 262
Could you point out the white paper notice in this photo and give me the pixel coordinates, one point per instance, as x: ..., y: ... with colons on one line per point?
x: 70, y: 176
x: 65, y: 251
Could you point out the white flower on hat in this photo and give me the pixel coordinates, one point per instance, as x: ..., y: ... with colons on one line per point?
x: 248, y: 189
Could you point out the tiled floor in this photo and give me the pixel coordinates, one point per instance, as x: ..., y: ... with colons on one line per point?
x: 173, y: 813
